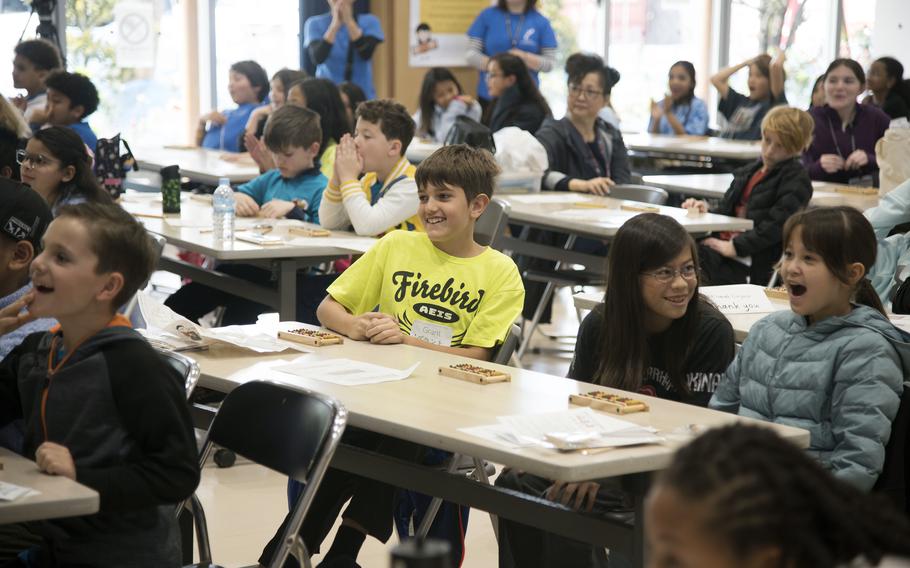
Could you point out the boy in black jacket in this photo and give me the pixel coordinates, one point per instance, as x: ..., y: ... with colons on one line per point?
x: 768, y: 192
x: 99, y: 405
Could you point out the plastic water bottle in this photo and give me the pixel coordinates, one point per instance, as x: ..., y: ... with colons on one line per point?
x: 223, y: 212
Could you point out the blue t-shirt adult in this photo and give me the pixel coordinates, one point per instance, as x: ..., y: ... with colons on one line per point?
x: 227, y: 136
x: 334, y: 66
x: 500, y: 31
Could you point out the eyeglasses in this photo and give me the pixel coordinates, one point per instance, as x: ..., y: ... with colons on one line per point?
x: 666, y: 274
x: 577, y: 91
x: 34, y: 160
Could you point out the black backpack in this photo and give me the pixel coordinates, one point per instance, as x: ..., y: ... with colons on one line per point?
x: 111, y: 166
x: 469, y: 131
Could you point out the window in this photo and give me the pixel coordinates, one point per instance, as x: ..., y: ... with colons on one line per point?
x: 147, y: 105
x: 646, y: 38
x: 269, y: 35
x: 802, y: 27
x: 14, y: 23
x: 857, y: 20
x: 579, y: 27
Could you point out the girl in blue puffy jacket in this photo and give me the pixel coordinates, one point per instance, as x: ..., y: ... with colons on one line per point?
x: 833, y: 364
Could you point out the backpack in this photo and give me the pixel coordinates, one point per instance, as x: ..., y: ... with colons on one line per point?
x: 469, y: 131
x: 111, y: 166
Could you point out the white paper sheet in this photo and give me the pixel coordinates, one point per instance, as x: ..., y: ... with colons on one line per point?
x: 345, y: 372
x: 11, y: 492
x: 195, y: 223
x: 533, y: 429
x: 739, y: 299
x: 165, y: 325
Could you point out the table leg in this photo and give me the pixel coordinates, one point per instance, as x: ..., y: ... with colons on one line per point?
x: 287, y: 290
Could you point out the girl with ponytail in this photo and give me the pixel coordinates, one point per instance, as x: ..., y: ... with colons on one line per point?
x: 833, y: 365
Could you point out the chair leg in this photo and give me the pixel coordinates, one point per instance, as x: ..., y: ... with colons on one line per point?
x: 202, y: 529
x: 433, y: 509
x: 529, y: 328
x: 480, y: 474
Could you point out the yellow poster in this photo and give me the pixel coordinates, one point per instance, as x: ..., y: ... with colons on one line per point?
x: 439, y: 31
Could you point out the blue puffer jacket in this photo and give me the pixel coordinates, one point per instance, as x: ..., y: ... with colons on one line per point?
x: 840, y: 379
x: 894, y: 251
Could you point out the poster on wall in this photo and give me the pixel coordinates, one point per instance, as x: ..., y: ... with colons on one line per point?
x: 439, y: 31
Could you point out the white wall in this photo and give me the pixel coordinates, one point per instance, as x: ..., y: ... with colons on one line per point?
x: 891, y: 34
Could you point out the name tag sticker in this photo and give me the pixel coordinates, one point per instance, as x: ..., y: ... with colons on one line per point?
x: 432, y: 333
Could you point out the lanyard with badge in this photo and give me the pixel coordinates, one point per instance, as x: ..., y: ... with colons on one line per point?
x: 864, y: 180
x: 513, y: 38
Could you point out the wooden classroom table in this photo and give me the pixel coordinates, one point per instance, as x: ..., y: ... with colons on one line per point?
x: 196, y: 236
x: 429, y: 409
x: 201, y: 165
x: 582, y: 215
x: 692, y: 146
x: 742, y: 323
x: 714, y: 186
x: 58, y: 496
x: 600, y: 217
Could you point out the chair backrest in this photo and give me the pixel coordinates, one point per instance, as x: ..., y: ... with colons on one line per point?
x: 492, y: 223
x: 186, y: 367
x: 894, y: 481
x: 284, y: 428
x: 158, y: 243
x: 642, y: 193
x: 504, y: 353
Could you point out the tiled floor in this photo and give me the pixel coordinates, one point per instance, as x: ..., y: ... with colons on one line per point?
x: 245, y: 503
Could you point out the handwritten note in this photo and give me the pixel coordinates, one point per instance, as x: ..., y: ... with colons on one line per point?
x: 739, y: 299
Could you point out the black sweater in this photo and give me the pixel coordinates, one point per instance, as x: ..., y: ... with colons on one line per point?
x: 571, y: 158
x: 510, y: 110
x: 709, y: 357
x: 123, y: 415
x: 784, y: 190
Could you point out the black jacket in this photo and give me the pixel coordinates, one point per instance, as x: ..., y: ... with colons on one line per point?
x: 510, y: 110
x: 123, y: 415
x: 783, y: 191
x: 570, y: 158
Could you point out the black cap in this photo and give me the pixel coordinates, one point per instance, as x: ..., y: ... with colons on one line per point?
x: 24, y: 215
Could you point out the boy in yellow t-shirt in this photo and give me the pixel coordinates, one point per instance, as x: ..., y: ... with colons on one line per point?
x: 440, y: 290
x: 437, y: 289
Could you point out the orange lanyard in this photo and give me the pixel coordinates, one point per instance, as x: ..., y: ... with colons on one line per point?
x: 51, y: 371
x: 117, y: 321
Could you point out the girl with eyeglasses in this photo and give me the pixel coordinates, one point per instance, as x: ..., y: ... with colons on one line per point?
x: 57, y: 165
x: 586, y: 154
x: 655, y: 335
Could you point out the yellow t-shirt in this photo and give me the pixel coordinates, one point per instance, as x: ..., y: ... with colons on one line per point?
x: 439, y: 298
x: 327, y: 161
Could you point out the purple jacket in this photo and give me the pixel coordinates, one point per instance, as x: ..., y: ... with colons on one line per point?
x: 869, y: 124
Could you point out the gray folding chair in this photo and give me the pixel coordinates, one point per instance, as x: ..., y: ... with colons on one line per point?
x: 492, y: 223
x: 288, y: 429
x: 186, y: 367
x: 641, y: 193
x: 158, y: 242
x: 559, y: 276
